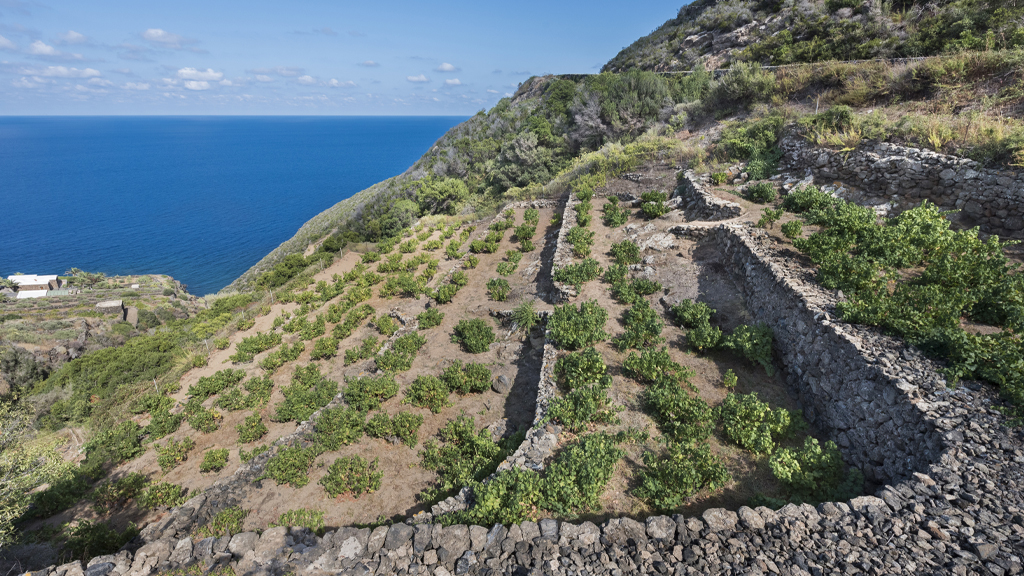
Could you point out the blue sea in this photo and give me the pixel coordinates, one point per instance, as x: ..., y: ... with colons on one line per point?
x: 199, y: 198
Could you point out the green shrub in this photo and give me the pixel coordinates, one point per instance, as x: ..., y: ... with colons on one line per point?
x: 406, y: 426
x: 259, y: 390
x: 531, y: 215
x: 367, y: 393
x: 582, y: 240
x: 88, y: 539
x: 472, y: 261
x: 807, y: 198
x: 408, y: 246
x: 690, y: 314
x: 643, y: 327
x: 251, y: 346
x: 505, y: 268
x: 386, y: 325
x: 403, y: 351
x: 290, y: 466
x: 476, y: 335
x: 815, y: 473
x: 279, y: 358
x: 433, y: 245
x: 744, y: 84
x: 576, y: 479
x: 251, y: 429
x: 302, y: 517
x: 308, y: 392
x: 616, y: 274
x: 626, y: 252
x: 119, y: 444
x: 370, y: 257
x: 214, y: 460
x: 326, y: 347
x: 526, y: 246
x: 667, y: 481
x: 366, y: 350
x: 244, y: 324
x: 792, y: 229
x: 162, y: 494
x: 719, y: 178
x: 525, y: 232
x: 762, y: 192
x: 337, y: 427
x: 704, y: 337
x: 769, y: 217
x: 681, y: 417
x: 245, y: 456
x: 509, y: 498
x: 583, y: 405
x: 173, y: 453
x: 578, y: 273
x: 379, y: 426
x: 752, y: 342
x: 752, y: 424
x: 352, y: 475
x: 652, y: 366
x: 466, y: 455
x: 221, y: 343
x: 653, y: 204
x: 466, y: 378
x: 227, y: 522
x: 429, y: 318
x: 645, y: 287
x: 428, y: 392
x: 113, y: 494
x: 209, y: 385
x: 757, y: 142
x: 573, y: 328
x: 202, y: 419
x: 730, y: 380
x: 577, y: 369
x: 614, y: 215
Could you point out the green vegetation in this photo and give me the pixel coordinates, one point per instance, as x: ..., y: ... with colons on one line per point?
x: 404, y: 426
x: 815, y: 473
x: 524, y: 317
x: 582, y: 240
x: 583, y: 405
x: 162, y: 494
x: 577, y: 369
x: 669, y: 479
x: 614, y: 214
x: 476, y: 335
x: 290, y: 465
x: 578, y: 273
x: 249, y: 347
x: 428, y: 392
x: 259, y: 391
x: 302, y: 517
x: 498, y: 289
x: 227, y: 522
x: 337, y: 427
x: 753, y: 343
x: 653, y: 204
x: 626, y: 252
x: 572, y: 328
x: 251, y: 429
x: 429, y: 318
x: 751, y: 424
x: 245, y: 456
x: 271, y: 362
x: 326, y: 347
x: 88, y: 539
x: 401, y: 354
x: 367, y: 393
x: 308, y: 392
x: 643, y: 327
x: 352, y: 475
x: 762, y: 192
x: 465, y: 456
x: 214, y: 460
x: 769, y: 217
x: 370, y: 346
x: 792, y: 229
x: 466, y: 378
x: 173, y: 453
x: 109, y: 495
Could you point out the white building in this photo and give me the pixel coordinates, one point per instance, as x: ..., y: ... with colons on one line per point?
x: 34, y: 285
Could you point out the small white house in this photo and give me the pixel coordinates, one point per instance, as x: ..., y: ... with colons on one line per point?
x: 34, y: 285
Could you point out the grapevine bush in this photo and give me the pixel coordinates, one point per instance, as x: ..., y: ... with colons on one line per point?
x: 573, y: 328
x: 476, y: 336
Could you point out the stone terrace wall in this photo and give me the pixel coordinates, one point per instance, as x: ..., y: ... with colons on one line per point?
x: 700, y: 204
x: 990, y: 199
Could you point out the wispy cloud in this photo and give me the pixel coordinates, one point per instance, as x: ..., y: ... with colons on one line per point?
x: 418, y: 79
x: 136, y: 86
x: 164, y: 39
x: 40, y: 48
x: 6, y: 44
x: 369, y: 64
x: 335, y: 83
x: 62, y: 72
x: 264, y: 78
x: 306, y: 80
x: 286, y: 71
x: 72, y: 37
x: 196, y: 85
x: 453, y: 82
x: 446, y: 67
x: 356, y: 33
x: 201, y: 75
x: 325, y: 31
x: 489, y: 91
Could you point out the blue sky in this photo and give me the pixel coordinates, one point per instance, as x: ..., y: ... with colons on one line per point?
x: 301, y: 56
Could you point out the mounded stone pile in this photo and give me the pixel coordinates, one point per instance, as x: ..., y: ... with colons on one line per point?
x: 990, y: 199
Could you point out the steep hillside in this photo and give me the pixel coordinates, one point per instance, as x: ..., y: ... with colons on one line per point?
x: 713, y: 34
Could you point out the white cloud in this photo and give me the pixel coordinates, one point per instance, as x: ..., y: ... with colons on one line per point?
x: 7, y: 44
x: 196, y: 85
x: 417, y: 79
x: 492, y: 91
x: 63, y: 72
x: 72, y: 37
x: 264, y: 78
x: 334, y: 83
x: 453, y: 82
x: 226, y: 83
x: 136, y: 86
x: 100, y: 82
x: 286, y: 71
x: 307, y: 80
x: 163, y: 37
x: 40, y: 48
x: 194, y: 74
x: 446, y: 67
x: 369, y: 64
x: 82, y: 88
x: 24, y: 83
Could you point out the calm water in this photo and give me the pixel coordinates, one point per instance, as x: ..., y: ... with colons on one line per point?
x: 201, y: 199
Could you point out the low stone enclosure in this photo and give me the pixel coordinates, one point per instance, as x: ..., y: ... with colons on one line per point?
x: 902, y: 177
x: 946, y: 469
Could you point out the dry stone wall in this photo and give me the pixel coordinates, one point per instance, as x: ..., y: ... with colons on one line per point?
x: 699, y: 203
x: 902, y: 177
